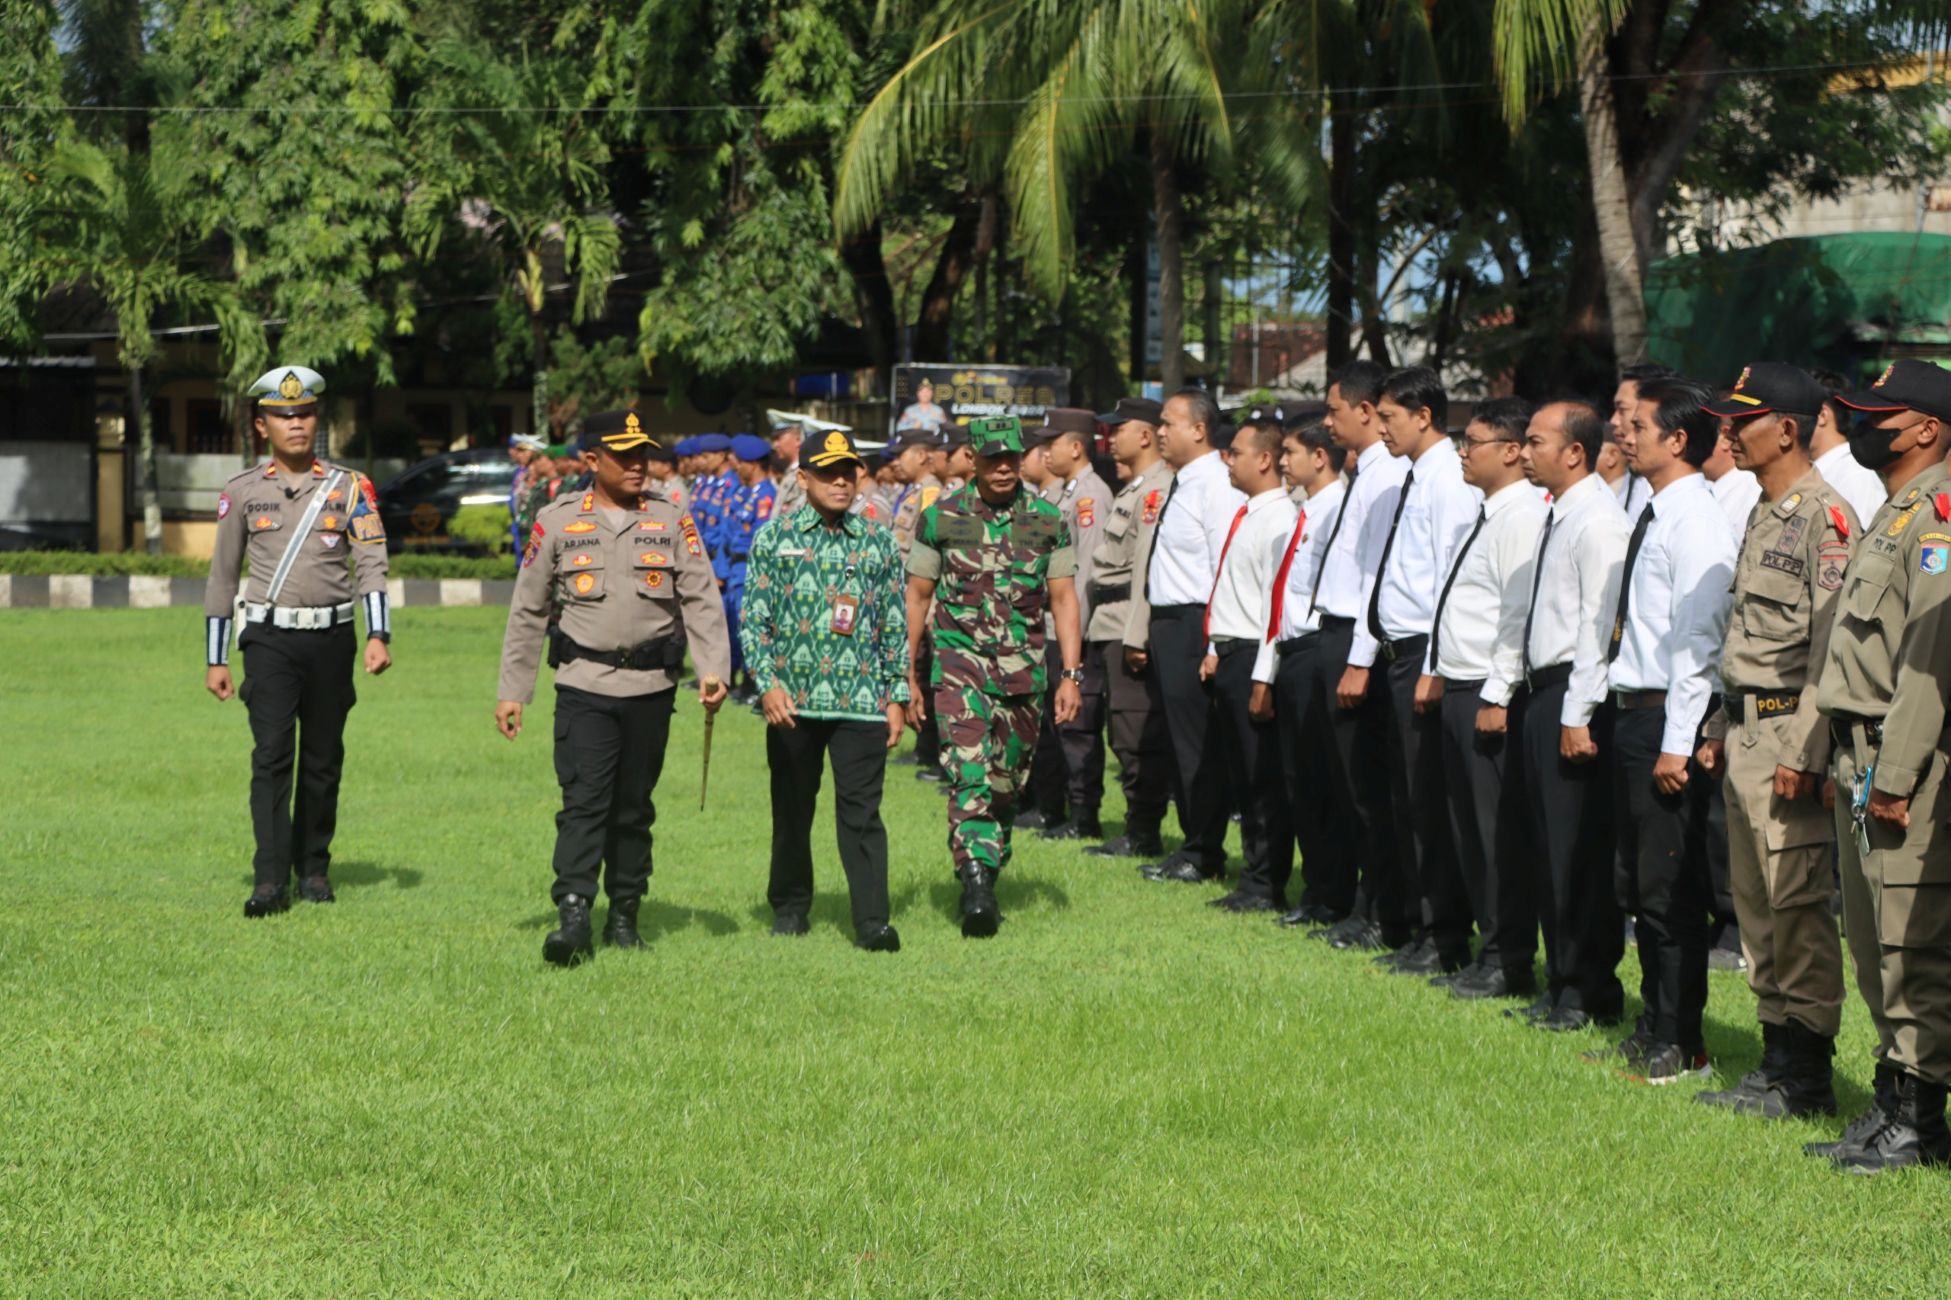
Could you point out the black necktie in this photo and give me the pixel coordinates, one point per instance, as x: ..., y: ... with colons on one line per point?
x: 1626, y: 582
x: 1321, y: 565
x: 1375, y: 592
x: 1436, y: 624
x: 1537, y: 577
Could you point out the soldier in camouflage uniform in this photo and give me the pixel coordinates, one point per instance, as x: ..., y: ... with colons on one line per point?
x: 991, y: 558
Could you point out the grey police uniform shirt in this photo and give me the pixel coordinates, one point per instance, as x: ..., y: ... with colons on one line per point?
x: 342, y: 557
x: 1084, y: 505
x: 620, y: 578
x: 1121, y: 555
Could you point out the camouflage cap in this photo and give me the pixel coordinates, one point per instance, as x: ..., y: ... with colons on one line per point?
x: 995, y: 435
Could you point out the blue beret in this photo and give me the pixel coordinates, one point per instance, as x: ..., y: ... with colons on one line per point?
x: 712, y: 442
x: 750, y: 446
x: 687, y: 446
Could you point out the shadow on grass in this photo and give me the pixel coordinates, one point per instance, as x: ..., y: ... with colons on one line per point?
x: 655, y: 920
x: 359, y: 875
x: 835, y: 909
x: 1013, y: 892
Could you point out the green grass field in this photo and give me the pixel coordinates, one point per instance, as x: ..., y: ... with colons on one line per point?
x: 1126, y: 1093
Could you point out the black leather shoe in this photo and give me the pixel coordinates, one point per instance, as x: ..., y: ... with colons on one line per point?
x: 882, y: 938
x: 620, y: 930
x: 1496, y: 982
x: 570, y: 943
x: 316, y: 889
x: 1184, y: 871
x: 1565, y: 1020
x: 1129, y: 845
x: 904, y: 760
x: 980, y: 915
x: 1084, y: 826
x: 929, y: 772
x: 1034, y: 819
x: 1534, y: 1011
x: 1241, y: 901
x: 1405, y: 956
x: 1359, y: 936
x: 789, y: 924
x: 267, y: 900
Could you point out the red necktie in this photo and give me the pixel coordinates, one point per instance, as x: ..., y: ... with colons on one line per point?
x: 1206, y: 628
x: 1280, y: 578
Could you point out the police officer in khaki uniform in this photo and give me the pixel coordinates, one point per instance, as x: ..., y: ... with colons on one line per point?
x: 1771, y: 747
x: 634, y: 586
x: 1883, y: 691
x: 1067, y: 436
x: 312, y: 535
x: 1119, y: 625
x: 910, y: 454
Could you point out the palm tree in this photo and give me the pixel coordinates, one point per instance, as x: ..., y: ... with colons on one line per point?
x: 115, y: 225
x: 1066, y: 91
x: 524, y: 167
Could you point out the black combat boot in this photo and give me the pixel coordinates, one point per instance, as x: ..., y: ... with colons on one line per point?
x: 1806, y: 1086
x: 569, y: 943
x: 1915, y: 1135
x: 980, y: 915
x: 317, y: 889
x: 1772, y: 1069
x: 1883, y: 1105
x: 620, y: 931
x: 1083, y: 825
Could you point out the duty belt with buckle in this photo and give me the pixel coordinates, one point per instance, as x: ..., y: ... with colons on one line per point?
x: 1842, y: 724
x: 1231, y: 645
x: 1402, y: 647
x: 665, y: 652
x: 1768, y: 704
x: 1105, y: 593
x: 300, y: 618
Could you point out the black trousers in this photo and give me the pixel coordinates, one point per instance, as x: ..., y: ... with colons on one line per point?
x: 609, y: 752
x: 1311, y: 776
x: 1082, y: 738
x: 1483, y: 779
x: 1049, y: 789
x: 1718, y: 867
x: 796, y: 755
x: 297, y: 689
x: 928, y: 736
x: 1662, y: 878
x: 1573, y: 840
x: 1137, y: 727
x: 1178, y: 644
x: 1360, y: 791
x: 1436, y: 904
x: 1253, y: 773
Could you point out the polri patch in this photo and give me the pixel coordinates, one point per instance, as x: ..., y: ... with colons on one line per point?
x: 223, y: 504
x: 585, y: 583
x: 1086, y: 512
x: 1152, y: 499
x: 654, y: 580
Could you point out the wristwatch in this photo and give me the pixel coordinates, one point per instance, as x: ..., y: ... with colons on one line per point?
x: 1072, y: 675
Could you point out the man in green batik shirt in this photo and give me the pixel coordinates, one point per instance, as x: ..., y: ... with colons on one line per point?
x: 825, y: 640
x: 993, y: 558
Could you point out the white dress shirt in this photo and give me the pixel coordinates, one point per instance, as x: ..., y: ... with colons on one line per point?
x: 1482, y: 634
x: 1341, y: 586
x: 1632, y: 494
x: 1244, y: 591
x: 1191, y: 531
x: 1860, y: 487
x: 1676, y: 620
x: 1736, y: 493
x: 1437, y: 513
x: 1576, y: 580
x: 1323, y: 508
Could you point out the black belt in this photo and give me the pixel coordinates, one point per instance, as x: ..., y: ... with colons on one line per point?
x: 1450, y: 686
x: 1335, y: 621
x: 1539, y: 679
x: 1224, y: 646
x: 1768, y: 704
x: 1178, y: 611
x: 1294, y: 645
x: 1104, y: 593
x: 1841, y: 724
x: 665, y: 652
x: 1401, y: 647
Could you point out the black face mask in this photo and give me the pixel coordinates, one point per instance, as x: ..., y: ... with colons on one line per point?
x: 1872, y: 446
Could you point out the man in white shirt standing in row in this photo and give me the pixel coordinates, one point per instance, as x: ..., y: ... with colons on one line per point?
x: 1475, y: 661
x: 1192, y: 527
x: 1360, y: 785
x: 1628, y: 488
x: 1567, y: 718
x: 1667, y: 632
x: 1861, y: 487
x: 1262, y: 534
x: 1293, y: 663
x: 1432, y: 514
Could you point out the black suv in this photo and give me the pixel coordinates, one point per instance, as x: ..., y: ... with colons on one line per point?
x: 418, y: 504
